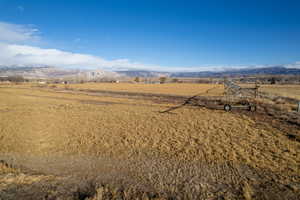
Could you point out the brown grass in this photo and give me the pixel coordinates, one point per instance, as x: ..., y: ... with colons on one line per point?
x: 291, y: 91
x: 127, y: 142
x: 187, y: 89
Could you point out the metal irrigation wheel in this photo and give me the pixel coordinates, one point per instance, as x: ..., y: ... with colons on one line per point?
x: 227, y: 107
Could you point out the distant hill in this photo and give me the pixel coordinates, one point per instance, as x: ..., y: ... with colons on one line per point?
x: 143, y: 73
x: 54, y: 72
x: 277, y: 70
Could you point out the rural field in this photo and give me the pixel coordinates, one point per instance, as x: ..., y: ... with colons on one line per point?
x: 188, y: 89
x: 170, y: 89
x: 111, y: 141
x: 291, y: 91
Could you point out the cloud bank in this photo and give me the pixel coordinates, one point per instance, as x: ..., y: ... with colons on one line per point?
x: 16, y: 51
x: 13, y: 54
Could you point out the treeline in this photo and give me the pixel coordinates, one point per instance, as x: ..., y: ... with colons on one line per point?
x: 280, y: 79
x: 283, y: 79
x: 14, y: 79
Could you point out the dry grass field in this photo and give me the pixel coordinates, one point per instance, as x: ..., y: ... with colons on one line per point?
x: 60, y: 145
x: 187, y: 89
x: 291, y: 91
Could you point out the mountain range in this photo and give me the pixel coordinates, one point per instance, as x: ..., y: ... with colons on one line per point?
x: 44, y: 72
x: 275, y: 70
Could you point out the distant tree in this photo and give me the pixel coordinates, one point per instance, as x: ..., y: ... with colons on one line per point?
x: 273, y: 80
x: 202, y: 81
x: 4, y: 79
x: 16, y: 79
x: 162, y: 79
x: 175, y: 80
x: 137, y: 79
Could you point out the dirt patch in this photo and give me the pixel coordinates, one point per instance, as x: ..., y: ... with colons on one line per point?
x: 152, y: 179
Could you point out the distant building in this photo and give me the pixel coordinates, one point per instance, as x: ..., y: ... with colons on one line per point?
x: 3, y: 78
x: 96, y: 74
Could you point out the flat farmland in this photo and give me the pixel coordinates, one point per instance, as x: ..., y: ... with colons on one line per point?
x: 125, y: 144
x: 291, y: 91
x: 184, y: 89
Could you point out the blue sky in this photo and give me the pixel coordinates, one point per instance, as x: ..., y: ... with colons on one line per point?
x: 158, y: 34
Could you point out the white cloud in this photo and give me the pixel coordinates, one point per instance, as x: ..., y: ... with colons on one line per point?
x: 16, y: 33
x: 293, y: 65
x: 14, y: 53
x: 22, y: 55
x: 25, y: 55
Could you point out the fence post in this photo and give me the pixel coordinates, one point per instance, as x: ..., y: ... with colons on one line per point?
x: 298, y: 108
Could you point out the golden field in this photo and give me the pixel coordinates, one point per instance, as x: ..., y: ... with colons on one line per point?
x: 124, y: 142
x: 291, y: 91
x: 184, y: 89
